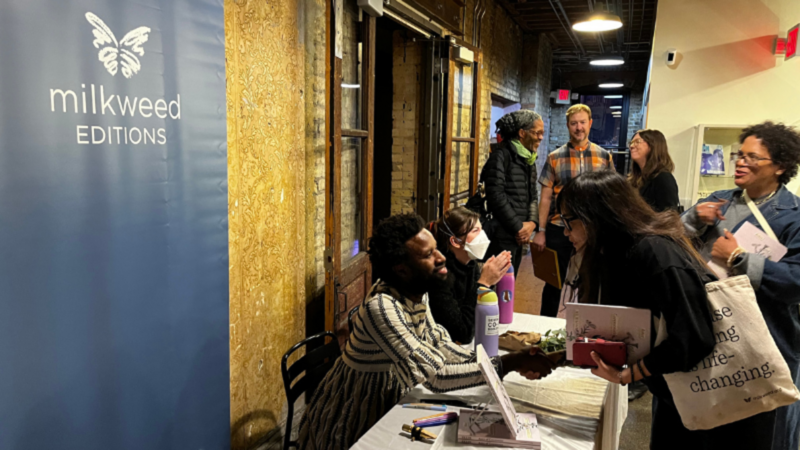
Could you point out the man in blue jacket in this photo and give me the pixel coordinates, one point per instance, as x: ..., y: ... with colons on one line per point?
x: 768, y: 159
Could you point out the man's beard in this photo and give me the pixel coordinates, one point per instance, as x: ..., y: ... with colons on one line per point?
x: 423, y: 281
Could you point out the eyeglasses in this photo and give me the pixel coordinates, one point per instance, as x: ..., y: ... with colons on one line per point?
x: 750, y: 160
x: 636, y: 142
x: 567, y: 221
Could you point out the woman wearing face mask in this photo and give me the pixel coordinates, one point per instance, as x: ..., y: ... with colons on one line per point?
x: 651, y: 173
x: 460, y: 237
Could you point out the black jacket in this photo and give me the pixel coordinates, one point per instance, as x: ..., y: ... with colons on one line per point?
x: 453, y: 302
x: 661, y: 193
x: 510, y: 194
x: 656, y: 274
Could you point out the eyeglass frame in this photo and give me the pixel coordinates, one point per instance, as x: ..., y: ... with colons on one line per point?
x: 744, y: 158
x: 635, y: 142
x: 566, y: 220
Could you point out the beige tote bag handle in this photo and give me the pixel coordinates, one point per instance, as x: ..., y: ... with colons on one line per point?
x: 760, y: 217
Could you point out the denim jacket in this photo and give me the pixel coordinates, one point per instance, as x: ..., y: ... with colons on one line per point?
x: 778, y: 293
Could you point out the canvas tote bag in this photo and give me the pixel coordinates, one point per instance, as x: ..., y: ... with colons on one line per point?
x: 745, y: 374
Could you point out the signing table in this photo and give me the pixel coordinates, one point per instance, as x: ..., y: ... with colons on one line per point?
x: 575, y: 409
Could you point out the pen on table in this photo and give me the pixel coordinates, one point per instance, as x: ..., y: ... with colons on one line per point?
x: 425, y: 406
x: 436, y: 422
x: 429, y: 417
x: 440, y: 416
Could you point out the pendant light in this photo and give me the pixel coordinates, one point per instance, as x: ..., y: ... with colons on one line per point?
x: 607, y: 60
x: 599, y: 21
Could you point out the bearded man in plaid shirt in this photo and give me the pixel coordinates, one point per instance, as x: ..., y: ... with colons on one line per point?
x: 567, y: 162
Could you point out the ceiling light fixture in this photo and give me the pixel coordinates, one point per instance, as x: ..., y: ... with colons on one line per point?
x: 612, y: 96
x: 615, y: 107
x: 351, y: 86
x: 607, y: 60
x: 599, y: 22
x: 611, y: 85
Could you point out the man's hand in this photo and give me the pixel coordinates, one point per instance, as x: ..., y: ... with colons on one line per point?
x: 531, y: 366
x: 537, y: 365
x: 539, y: 241
x: 709, y: 212
x: 524, y: 234
x: 494, y: 268
x: 723, y: 248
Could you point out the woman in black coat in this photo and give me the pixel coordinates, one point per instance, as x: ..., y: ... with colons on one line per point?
x: 509, y: 178
x: 460, y: 237
x: 652, y: 169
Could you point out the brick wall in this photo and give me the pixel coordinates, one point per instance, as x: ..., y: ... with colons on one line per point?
x: 537, y: 68
x: 407, y: 66
x: 315, y: 98
x: 501, y: 44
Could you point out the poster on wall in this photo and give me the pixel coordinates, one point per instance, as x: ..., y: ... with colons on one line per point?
x: 113, y: 210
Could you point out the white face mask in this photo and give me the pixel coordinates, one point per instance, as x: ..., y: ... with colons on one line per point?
x: 477, y: 248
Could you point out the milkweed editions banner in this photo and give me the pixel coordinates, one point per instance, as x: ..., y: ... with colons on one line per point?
x: 113, y: 233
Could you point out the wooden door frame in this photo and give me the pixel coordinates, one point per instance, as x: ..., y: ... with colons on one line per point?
x: 474, y: 140
x: 335, y: 275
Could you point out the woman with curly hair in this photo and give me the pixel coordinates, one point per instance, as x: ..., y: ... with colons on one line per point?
x: 767, y: 161
x: 509, y: 177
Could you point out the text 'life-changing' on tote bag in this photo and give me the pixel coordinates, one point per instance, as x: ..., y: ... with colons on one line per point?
x: 745, y: 374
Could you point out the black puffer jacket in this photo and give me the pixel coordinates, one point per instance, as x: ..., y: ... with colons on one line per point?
x: 510, y: 195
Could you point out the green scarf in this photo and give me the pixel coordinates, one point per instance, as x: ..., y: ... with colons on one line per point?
x: 530, y: 157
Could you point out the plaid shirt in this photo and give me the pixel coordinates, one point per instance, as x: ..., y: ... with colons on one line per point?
x: 567, y: 163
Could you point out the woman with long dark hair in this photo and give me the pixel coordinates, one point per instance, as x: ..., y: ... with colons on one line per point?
x: 651, y: 172
x: 461, y: 239
x: 638, y: 258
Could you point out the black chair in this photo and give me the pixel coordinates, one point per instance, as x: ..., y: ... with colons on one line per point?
x: 350, y: 318
x: 315, y: 364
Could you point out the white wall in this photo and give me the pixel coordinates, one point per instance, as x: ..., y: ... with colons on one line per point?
x: 725, y: 72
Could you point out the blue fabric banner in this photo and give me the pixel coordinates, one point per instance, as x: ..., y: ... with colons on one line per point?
x: 113, y: 225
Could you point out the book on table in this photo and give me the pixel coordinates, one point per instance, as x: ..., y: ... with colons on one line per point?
x: 545, y: 266
x: 612, y: 323
x: 504, y: 428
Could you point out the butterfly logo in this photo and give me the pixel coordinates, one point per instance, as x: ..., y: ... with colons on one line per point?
x: 114, y: 53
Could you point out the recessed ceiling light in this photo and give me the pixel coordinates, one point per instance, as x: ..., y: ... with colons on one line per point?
x: 599, y: 22
x: 615, y: 107
x: 607, y: 60
x: 351, y: 86
x: 611, y: 85
x: 612, y: 96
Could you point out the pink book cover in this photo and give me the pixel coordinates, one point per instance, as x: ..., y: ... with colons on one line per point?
x: 612, y: 323
x: 753, y: 240
x: 505, y: 428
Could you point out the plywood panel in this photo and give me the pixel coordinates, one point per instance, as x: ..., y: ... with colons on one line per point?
x: 266, y: 173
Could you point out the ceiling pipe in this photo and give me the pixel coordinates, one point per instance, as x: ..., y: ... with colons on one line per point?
x: 475, y: 21
x: 596, y: 35
x: 568, y: 27
x: 641, y: 24
x: 480, y: 22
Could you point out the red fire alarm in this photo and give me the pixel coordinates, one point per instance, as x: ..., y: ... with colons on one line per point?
x: 791, y: 42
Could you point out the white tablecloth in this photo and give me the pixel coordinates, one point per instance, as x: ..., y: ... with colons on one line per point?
x: 575, y: 409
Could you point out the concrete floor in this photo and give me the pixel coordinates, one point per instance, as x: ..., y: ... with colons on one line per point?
x: 636, y: 430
